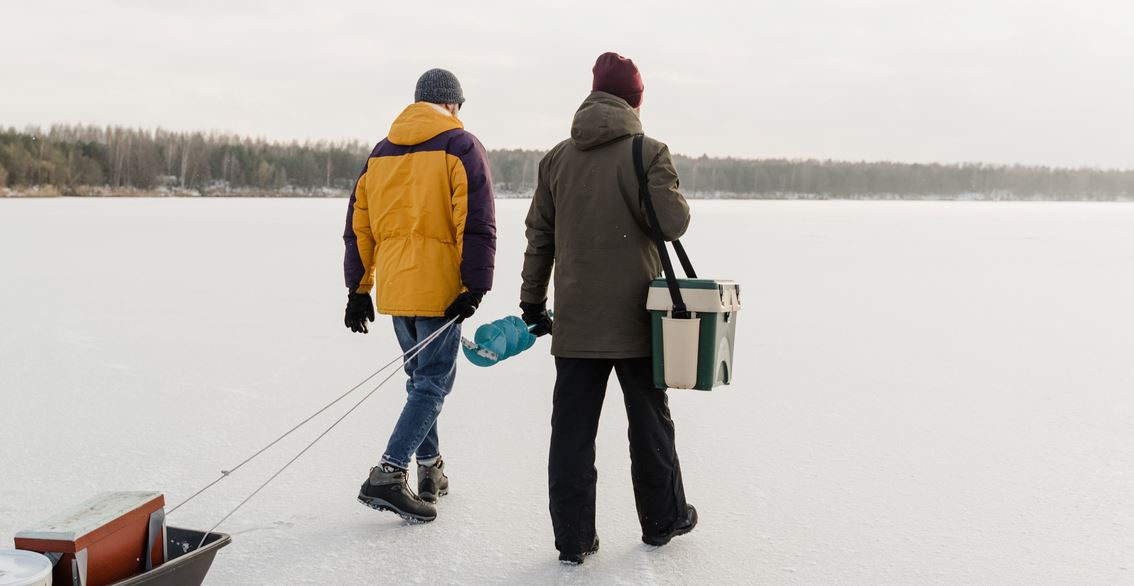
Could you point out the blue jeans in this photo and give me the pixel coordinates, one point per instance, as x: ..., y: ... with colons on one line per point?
x: 431, y: 375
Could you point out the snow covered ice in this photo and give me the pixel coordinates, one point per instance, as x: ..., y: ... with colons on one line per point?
x: 925, y: 393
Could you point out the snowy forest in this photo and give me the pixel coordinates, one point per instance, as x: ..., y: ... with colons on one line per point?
x: 90, y: 160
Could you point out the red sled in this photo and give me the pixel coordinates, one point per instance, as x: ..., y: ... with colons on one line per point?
x: 120, y: 539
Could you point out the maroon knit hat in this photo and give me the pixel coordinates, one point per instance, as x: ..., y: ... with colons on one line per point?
x: 615, y: 74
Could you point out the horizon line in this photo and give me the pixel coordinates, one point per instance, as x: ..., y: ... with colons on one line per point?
x: 310, y: 142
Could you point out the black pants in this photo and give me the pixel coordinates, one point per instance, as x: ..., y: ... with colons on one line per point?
x: 580, y: 387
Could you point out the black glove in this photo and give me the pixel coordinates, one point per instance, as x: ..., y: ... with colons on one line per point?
x: 464, y: 306
x: 359, y: 310
x: 535, y: 314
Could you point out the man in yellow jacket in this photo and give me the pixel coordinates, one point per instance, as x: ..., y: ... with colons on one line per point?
x: 421, y: 226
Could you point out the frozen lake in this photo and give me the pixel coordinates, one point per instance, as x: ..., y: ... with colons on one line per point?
x: 926, y: 393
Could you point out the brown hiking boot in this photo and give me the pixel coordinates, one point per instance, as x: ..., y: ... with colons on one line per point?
x: 386, y: 490
x: 432, y: 482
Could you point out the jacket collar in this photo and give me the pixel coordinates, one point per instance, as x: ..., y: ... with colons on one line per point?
x: 420, y: 122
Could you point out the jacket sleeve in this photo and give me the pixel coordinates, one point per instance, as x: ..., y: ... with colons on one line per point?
x: 358, y: 262
x: 476, y: 226
x: 540, y: 254
x: 672, y: 209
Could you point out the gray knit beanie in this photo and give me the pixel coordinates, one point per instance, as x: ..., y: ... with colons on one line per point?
x: 439, y: 86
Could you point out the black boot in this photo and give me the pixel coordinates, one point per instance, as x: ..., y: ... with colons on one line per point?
x: 387, y: 490
x: 683, y: 526
x: 432, y: 482
x: 576, y: 558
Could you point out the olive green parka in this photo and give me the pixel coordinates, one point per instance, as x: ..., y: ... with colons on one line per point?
x: 587, y: 226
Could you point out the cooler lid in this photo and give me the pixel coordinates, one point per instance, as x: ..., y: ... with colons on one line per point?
x: 85, y: 519
x: 23, y: 568
x: 693, y: 283
x: 699, y: 295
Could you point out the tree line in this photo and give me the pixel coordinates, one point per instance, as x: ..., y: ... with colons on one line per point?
x: 80, y: 159
x: 91, y: 160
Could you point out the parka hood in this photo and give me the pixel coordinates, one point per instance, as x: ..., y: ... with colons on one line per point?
x: 601, y: 119
x: 420, y: 122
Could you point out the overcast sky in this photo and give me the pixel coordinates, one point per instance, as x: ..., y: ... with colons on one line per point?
x: 1004, y: 81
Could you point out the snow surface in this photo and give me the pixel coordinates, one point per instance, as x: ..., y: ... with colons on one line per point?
x: 926, y: 393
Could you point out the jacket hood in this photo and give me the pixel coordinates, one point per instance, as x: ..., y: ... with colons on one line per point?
x: 420, y: 122
x: 601, y: 119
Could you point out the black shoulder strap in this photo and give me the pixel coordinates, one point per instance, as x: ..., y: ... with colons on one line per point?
x: 679, y: 309
x: 682, y: 257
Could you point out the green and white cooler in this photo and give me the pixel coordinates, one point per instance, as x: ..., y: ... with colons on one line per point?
x: 693, y: 320
x: 696, y: 352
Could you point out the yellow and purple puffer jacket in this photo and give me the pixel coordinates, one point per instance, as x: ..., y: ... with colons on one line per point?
x: 422, y: 220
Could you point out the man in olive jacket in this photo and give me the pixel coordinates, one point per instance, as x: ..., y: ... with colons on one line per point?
x: 587, y: 222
